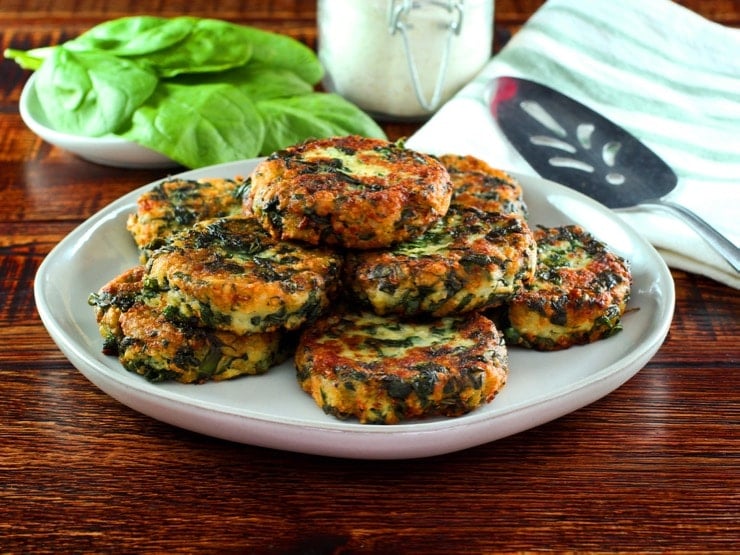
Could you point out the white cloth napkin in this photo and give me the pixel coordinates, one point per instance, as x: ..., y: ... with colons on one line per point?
x: 661, y: 71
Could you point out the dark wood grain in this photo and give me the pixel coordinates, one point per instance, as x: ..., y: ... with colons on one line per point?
x: 654, y: 466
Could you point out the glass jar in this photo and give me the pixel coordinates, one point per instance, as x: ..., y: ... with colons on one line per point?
x: 402, y: 59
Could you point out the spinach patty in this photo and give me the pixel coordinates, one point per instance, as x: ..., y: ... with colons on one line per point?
x: 383, y: 371
x: 475, y: 184
x: 156, y: 343
x: 232, y: 275
x: 578, y: 295
x: 177, y: 204
x: 470, y: 260
x: 352, y: 192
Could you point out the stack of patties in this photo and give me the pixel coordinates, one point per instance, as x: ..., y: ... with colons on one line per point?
x: 421, y: 264
x: 213, y: 300
x: 395, y: 270
x: 580, y: 288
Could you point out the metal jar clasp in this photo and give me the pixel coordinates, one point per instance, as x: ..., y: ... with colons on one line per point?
x: 400, y: 21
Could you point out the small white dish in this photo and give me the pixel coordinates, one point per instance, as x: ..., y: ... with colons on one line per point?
x: 272, y: 411
x: 108, y: 151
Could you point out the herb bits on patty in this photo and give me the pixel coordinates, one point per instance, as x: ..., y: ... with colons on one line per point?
x: 578, y: 295
x: 351, y: 192
x: 385, y: 371
x: 468, y: 261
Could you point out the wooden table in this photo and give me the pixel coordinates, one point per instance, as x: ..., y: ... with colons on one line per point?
x: 652, y: 466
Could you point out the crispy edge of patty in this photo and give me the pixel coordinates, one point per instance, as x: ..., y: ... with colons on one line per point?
x: 175, y: 204
x: 578, y: 295
x: 159, y: 350
x: 351, y: 191
x: 470, y: 260
x: 232, y: 275
x: 463, y: 367
x: 111, y: 301
x: 137, y: 328
x: 476, y: 184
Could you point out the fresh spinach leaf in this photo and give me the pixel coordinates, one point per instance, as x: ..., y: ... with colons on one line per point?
x: 212, y: 45
x: 255, y: 80
x: 91, y: 93
x: 198, y: 125
x: 260, y: 83
x: 283, y: 52
x: 134, y: 36
x: 295, y: 119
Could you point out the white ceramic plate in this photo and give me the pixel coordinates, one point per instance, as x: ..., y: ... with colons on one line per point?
x: 108, y: 150
x: 272, y: 411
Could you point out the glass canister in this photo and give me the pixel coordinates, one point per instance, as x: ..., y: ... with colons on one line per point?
x: 402, y: 59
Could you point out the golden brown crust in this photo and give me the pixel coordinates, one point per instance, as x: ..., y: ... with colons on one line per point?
x: 468, y: 261
x: 578, y: 296
x: 158, y: 344
x: 177, y: 204
x: 384, y: 371
x: 111, y: 300
x: 353, y: 192
x: 476, y: 184
x: 230, y: 274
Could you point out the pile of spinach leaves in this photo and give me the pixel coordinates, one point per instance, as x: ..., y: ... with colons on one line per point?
x: 200, y: 91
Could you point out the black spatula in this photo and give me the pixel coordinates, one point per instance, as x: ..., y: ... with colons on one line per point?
x: 569, y: 143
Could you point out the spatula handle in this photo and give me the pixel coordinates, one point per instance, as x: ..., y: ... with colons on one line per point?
x: 719, y: 242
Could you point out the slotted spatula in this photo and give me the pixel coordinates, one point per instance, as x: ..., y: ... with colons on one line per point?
x: 569, y: 143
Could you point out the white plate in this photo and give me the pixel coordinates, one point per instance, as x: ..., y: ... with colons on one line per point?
x: 272, y: 411
x: 108, y: 150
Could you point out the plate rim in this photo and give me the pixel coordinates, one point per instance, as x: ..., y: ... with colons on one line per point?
x: 139, y: 395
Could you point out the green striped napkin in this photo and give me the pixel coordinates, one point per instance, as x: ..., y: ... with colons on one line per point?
x: 661, y: 71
